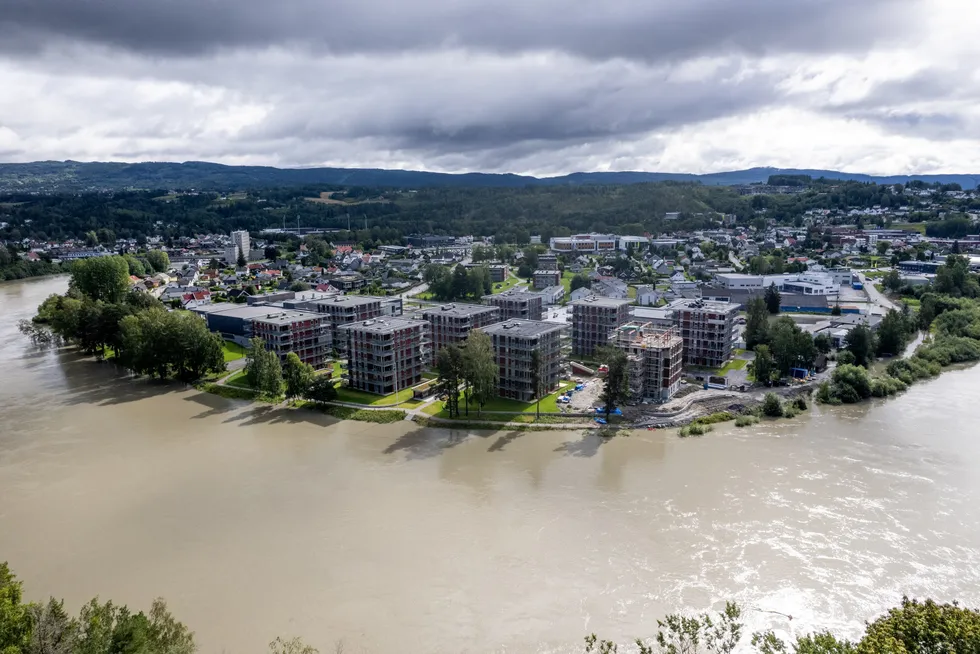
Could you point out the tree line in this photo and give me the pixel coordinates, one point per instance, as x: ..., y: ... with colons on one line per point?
x: 102, y: 316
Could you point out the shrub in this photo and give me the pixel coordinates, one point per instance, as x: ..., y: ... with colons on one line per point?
x: 853, y: 377
x: 695, y: 429
x: 771, y: 406
x: 721, y: 416
x: 800, y: 403
x: 790, y: 411
x: 846, y: 358
x: 746, y: 421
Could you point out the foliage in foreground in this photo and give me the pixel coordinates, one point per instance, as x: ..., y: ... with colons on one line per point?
x: 694, y: 429
x: 914, y: 627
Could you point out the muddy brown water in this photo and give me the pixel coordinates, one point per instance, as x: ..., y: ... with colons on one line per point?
x: 255, y: 522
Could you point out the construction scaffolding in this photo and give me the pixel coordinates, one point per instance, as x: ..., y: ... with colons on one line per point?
x: 654, y: 360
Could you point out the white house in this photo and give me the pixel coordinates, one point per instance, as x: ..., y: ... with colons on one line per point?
x: 647, y: 295
x: 580, y: 293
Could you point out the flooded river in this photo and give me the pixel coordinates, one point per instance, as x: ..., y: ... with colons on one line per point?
x: 254, y: 522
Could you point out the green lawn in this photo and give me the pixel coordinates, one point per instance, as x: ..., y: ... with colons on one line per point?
x: 429, y: 374
x: 912, y: 227
x: 238, y: 379
x: 335, y: 370
x: 233, y: 351
x: 355, y: 396
x: 507, y: 284
x: 734, y: 364
x: 549, y: 404
x: 631, y: 292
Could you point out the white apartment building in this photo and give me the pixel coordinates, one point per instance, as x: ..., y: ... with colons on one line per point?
x: 241, y: 241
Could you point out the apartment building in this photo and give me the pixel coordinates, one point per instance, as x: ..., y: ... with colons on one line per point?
x: 284, y: 331
x: 345, y: 309
x: 451, y: 323
x: 547, y: 262
x: 497, y: 271
x: 517, y: 304
x: 708, y: 330
x: 385, y: 355
x: 513, y: 342
x: 241, y: 240
x: 546, y: 278
x: 593, y: 321
x: 655, y: 357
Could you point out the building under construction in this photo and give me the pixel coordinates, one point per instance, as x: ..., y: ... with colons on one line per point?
x: 654, y: 360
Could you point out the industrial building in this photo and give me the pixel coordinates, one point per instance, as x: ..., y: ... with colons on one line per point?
x: 593, y: 321
x: 583, y: 243
x: 385, y: 355
x: 513, y: 342
x: 451, y: 323
x: 654, y: 358
x: 302, y: 332
x: 517, y: 304
x: 808, y: 283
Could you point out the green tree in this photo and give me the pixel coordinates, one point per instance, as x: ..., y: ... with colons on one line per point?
x: 291, y: 646
x: 450, y: 366
x: 791, y: 346
x: 135, y: 266
x: 480, y: 369
x: 823, y: 343
x: 771, y: 406
x: 263, y: 369
x: 763, y: 366
x: 756, y: 323
x: 321, y: 389
x: 860, y: 342
x: 297, y: 375
x: 835, y: 311
x: 271, y: 252
x: 91, y: 239
x: 581, y: 280
x: 773, y: 299
x: 536, y: 380
x: 616, y: 384
x: 159, y: 260
x: 242, y: 261
x: 893, y: 334
x: 923, y: 628
x: 101, y: 278
x: 846, y: 358
x: 15, y: 616
x: 53, y: 631
x: 460, y: 283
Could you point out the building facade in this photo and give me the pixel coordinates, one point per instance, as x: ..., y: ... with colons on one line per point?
x: 593, y: 321
x: 302, y: 332
x: 517, y: 304
x: 451, y: 323
x: 546, y: 278
x: 655, y: 358
x: 708, y: 330
x: 241, y: 240
x: 385, y: 355
x: 513, y: 342
x: 345, y: 309
x: 583, y: 243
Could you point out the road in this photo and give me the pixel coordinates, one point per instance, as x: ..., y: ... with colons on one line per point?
x: 877, y: 298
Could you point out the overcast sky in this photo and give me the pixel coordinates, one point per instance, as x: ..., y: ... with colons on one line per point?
x: 528, y: 86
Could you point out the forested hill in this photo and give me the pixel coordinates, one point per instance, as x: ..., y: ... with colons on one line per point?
x: 60, y: 176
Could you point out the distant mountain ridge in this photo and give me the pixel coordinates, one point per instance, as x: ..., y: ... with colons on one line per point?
x: 52, y: 176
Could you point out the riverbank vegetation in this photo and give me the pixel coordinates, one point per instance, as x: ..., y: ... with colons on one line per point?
x: 13, y: 267
x: 952, y: 321
x: 102, y: 317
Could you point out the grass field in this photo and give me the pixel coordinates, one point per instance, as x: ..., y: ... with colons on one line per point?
x: 233, y: 351
x: 507, y: 284
x: 354, y: 396
x: 911, y: 227
x: 549, y: 404
x: 238, y: 380
x: 734, y: 364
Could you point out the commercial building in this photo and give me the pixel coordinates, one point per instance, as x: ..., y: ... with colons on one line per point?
x: 302, y: 332
x: 430, y: 241
x: 583, y: 243
x: 546, y: 278
x: 815, y: 283
x: 385, y: 355
x: 513, y: 342
x: 593, y: 321
x: 654, y: 358
x: 708, y: 330
x: 517, y: 304
x: 451, y: 323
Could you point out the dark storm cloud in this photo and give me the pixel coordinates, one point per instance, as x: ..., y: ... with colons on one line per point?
x: 637, y: 29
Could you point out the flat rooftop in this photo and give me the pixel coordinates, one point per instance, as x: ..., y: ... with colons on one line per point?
x: 599, y: 301
x: 521, y: 328
x: 512, y: 295
x: 381, y: 325
x: 348, y: 301
x: 707, y: 305
x: 286, y: 316
x: 243, y: 311
x: 458, y: 310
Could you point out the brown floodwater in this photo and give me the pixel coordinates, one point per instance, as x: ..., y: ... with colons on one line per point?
x: 254, y: 522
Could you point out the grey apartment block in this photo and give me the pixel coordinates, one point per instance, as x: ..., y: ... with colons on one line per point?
x: 302, y: 332
x: 385, y: 355
x: 451, y: 323
x: 708, y: 330
x: 593, y: 320
x: 517, y: 304
x: 345, y: 309
x: 513, y: 341
x: 546, y: 278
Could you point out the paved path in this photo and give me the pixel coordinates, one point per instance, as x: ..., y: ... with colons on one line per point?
x: 876, y: 296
